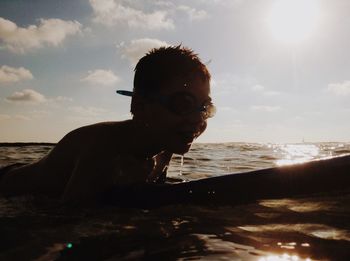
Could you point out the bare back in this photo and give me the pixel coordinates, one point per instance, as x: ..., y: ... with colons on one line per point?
x: 51, y: 174
x: 85, y: 162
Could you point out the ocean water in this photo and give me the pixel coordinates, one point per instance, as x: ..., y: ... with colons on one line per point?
x: 303, y: 228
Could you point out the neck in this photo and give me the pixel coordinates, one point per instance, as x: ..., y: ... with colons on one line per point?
x: 147, y: 140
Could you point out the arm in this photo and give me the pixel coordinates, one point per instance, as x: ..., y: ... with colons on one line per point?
x: 86, y: 181
x: 92, y: 176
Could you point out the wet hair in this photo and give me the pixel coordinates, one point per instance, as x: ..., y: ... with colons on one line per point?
x: 161, y: 65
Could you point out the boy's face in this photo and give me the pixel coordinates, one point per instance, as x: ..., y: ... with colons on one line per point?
x: 175, y: 114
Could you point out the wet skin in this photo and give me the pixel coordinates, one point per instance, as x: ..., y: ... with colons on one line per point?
x: 91, y: 159
x: 177, y: 132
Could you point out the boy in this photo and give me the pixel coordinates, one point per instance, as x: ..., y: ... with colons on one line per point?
x: 170, y: 105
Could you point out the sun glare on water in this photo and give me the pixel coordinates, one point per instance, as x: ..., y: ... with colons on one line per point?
x: 297, y: 153
x: 292, y: 21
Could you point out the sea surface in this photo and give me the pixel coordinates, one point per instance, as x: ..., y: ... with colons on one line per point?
x: 303, y: 228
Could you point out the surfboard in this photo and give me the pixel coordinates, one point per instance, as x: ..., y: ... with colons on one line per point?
x: 314, y: 177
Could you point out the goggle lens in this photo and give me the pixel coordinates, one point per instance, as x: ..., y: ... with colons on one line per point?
x: 184, y: 104
x: 209, y: 110
x: 181, y: 104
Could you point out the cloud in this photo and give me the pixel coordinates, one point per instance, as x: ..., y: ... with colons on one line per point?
x: 34, y: 97
x: 59, y: 101
x: 340, y: 89
x: 139, y: 47
x: 103, y: 77
x: 226, y: 109
x: 262, y: 90
x: 258, y: 88
x: 4, y: 117
x: 39, y: 114
x: 265, y: 108
x: 193, y: 13
x: 87, y: 111
x: 21, y: 118
x: 63, y: 99
x: 27, y: 96
x: 112, y: 12
x: 271, y: 93
x: 225, y: 83
x: 11, y: 75
x: 49, y: 32
x: 89, y: 114
x: 225, y: 3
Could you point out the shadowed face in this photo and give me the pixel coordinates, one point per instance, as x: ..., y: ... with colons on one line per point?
x: 178, y: 113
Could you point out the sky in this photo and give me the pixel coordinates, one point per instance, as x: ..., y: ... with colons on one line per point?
x: 280, y: 68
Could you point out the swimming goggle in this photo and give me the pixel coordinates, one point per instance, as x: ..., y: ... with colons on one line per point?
x: 180, y: 103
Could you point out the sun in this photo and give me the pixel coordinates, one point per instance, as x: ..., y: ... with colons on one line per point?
x: 292, y: 21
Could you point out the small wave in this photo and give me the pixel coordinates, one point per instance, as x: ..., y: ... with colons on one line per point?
x: 204, y: 159
x: 244, y: 168
x: 178, y: 158
x: 250, y: 147
x: 342, y: 151
x: 25, y: 144
x: 268, y: 157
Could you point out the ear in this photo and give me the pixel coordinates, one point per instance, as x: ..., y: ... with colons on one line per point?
x: 137, y: 105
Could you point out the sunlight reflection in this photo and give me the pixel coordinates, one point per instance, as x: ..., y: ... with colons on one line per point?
x: 315, y: 230
x: 284, y: 257
x: 297, y: 153
x: 295, y: 205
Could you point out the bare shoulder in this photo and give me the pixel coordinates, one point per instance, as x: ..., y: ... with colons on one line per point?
x: 96, y: 133
x: 97, y: 139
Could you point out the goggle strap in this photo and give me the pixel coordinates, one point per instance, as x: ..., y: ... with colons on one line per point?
x: 125, y: 93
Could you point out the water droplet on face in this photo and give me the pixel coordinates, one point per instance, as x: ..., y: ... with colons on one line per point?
x: 181, y: 164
